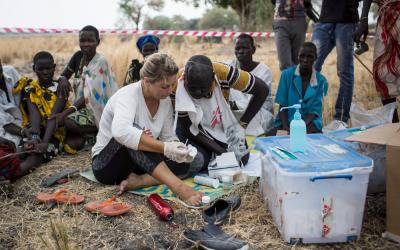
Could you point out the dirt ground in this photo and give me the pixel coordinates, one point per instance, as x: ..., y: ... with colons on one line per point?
x: 27, y: 224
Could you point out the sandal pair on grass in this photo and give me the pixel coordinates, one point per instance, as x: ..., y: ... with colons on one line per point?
x: 109, y: 207
x: 211, y: 236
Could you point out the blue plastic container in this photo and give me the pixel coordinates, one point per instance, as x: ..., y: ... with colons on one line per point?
x: 322, y: 154
x: 317, y: 196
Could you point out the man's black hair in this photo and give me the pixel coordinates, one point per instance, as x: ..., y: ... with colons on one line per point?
x: 311, y: 46
x: 91, y: 28
x: 247, y: 36
x: 42, y: 55
x: 199, y: 69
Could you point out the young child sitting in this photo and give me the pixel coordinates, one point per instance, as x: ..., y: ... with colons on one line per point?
x: 302, y: 84
x: 39, y: 102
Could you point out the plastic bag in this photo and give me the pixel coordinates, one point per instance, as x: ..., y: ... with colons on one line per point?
x: 362, y: 117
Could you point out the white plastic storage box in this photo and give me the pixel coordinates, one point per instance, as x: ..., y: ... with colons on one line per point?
x: 317, y: 196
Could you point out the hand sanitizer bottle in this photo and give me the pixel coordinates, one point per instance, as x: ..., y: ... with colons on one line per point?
x: 297, y: 130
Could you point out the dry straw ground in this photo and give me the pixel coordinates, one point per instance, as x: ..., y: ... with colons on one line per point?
x: 26, y: 224
x: 19, y: 52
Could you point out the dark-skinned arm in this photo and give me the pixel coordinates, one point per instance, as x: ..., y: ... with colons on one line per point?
x: 17, y: 130
x: 200, y: 138
x: 310, y: 11
x: 283, y: 115
x: 51, y: 125
x: 60, y: 117
x: 64, y: 86
x: 361, y: 32
x: 67, y: 73
x: 259, y: 93
x: 34, y: 119
x: 309, y: 118
x: 13, y: 129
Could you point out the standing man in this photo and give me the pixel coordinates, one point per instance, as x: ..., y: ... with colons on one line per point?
x: 290, y: 28
x: 336, y: 27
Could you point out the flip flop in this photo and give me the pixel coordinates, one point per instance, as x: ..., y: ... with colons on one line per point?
x: 55, y: 178
x: 109, y: 207
x: 60, y: 196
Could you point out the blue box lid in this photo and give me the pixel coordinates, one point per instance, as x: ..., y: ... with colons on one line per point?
x: 340, y: 135
x: 322, y: 154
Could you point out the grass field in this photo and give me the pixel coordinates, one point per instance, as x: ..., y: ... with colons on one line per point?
x: 26, y: 224
x: 19, y: 51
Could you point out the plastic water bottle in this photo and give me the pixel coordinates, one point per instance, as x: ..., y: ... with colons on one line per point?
x: 297, y: 130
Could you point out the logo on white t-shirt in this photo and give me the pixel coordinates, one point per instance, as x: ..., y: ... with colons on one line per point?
x: 216, y: 117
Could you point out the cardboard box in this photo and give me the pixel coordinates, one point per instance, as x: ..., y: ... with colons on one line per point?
x: 389, y: 135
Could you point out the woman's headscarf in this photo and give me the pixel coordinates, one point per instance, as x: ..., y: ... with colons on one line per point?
x: 147, y: 39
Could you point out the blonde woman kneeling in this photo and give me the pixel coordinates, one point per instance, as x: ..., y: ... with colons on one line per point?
x: 136, y: 145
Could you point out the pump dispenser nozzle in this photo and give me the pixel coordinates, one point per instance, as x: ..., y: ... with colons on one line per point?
x: 297, y: 130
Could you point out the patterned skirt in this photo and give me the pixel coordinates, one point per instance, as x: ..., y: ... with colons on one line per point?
x: 9, y: 167
x: 386, y: 66
x: 85, y: 117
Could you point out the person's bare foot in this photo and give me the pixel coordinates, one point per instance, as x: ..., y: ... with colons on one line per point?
x: 132, y: 182
x: 189, y: 195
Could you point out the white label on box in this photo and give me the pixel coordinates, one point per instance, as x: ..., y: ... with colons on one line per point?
x: 334, y: 148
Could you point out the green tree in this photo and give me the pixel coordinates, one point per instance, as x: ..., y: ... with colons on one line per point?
x: 177, y: 22
x: 181, y: 23
x: 244, y: 9
x: 261, y: 15
x: 134, y: 10
x: 159, y: 22
x: 219, y: 19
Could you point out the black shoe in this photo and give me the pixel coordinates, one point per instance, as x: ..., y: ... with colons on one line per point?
x: 218, y: 212
x: 211, y: 237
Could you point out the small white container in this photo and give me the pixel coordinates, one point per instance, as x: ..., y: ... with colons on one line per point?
x: 227, y: 179
x: 206, y: 181
x: 192, y: 153
x: 205, y: 199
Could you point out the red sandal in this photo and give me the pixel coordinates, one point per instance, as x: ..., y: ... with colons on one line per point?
x: 61, y: 196
x: 109, y: 207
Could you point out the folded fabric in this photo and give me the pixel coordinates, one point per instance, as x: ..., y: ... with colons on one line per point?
x: 220, y: 210
x: 212, y: 237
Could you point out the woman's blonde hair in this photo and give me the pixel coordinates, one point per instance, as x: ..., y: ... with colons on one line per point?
x: 158, y: 67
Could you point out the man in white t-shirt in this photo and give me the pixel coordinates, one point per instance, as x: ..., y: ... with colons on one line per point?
x: 263, y: 122
x: 205, y: 117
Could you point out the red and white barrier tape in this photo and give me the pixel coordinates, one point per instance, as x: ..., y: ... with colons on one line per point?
x: 195, y: 33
